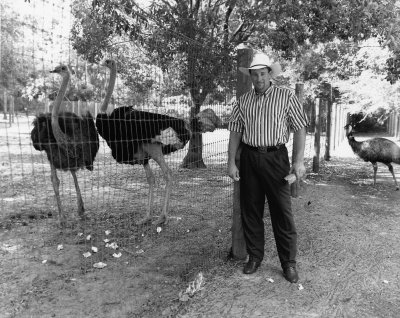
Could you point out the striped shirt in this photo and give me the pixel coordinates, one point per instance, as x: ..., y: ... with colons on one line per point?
x: 266, y: 119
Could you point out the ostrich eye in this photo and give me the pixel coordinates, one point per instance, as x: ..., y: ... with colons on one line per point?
x: 63, y: 68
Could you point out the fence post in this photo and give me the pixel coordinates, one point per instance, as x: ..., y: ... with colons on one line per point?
x: 294, y: 187
x: 238, y: 250
x: 79, y: 106
x: 328, y: 139
x: 317, y: 134
x: 397, y: 121
x: 341, y: 123
x: 5, y: 104
x: 334, y: 127
x: 46, y: 105
x: 393, y: 120
x: 11, y: 110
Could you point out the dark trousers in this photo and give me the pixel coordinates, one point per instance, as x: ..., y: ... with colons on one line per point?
x: 262, y: 175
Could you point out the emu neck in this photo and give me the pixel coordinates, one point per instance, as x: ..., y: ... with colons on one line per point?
x: 354, y: 144
x: 58, y: 134
x: 110, y: 89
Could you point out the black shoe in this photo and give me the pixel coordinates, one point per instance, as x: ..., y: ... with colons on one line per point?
x: 290, y: 274
x: 251, y: 266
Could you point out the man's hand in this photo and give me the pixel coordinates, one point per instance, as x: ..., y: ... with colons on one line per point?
x: 299, y: 170
x: 233, y: 172
x: 234, y: 141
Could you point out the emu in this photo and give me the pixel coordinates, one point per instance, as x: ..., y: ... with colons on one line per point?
x: 70, y: 142
x: 375, y: 150
x: 136, y: 136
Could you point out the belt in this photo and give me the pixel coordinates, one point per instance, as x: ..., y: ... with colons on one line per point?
x: 265, y: 149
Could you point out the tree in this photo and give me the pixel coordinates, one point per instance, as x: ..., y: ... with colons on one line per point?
x: 197, y: 38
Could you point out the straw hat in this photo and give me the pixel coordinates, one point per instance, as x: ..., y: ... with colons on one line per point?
x: 260, y: 60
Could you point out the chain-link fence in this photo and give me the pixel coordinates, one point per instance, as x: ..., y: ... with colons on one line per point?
x: 36, y: 38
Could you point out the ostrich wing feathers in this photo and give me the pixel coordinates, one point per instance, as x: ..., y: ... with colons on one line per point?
x: 82, y: 133
x: 126, y: 129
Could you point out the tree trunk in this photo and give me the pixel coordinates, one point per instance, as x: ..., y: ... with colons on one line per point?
x: 194, y: 156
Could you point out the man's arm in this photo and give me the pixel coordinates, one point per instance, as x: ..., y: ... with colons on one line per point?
x: 299, y: 140
x: 234, y: 142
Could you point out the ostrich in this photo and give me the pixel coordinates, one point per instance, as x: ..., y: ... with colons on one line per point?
x: 375, y: 150
x: 70, y: 142
x: 136, y: 136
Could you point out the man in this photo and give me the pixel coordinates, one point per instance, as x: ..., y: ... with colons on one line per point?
x: 262, y: 120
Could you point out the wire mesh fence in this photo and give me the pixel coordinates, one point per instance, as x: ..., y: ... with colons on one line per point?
x: 35, y: 39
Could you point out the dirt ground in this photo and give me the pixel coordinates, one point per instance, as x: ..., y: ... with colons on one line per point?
x: 348, y: 254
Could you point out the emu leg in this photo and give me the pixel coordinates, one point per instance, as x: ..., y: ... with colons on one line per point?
x: 394, y: 177
x: 375, y: 165
x: 56, y: 187
x: 81, y: 208
x: 150, y: 199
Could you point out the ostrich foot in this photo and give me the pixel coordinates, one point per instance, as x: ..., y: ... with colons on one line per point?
x: 397, y: 188
x: 143, y: 221
x: 62, y: 223
x: 83, y: 217
x: 161, y: 220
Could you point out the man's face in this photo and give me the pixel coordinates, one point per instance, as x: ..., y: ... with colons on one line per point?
x: 261, y: 79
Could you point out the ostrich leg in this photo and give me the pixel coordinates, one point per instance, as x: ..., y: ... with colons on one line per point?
x: 375, y: 165
x: 394, y: 177
x: 150, y: 198
x: 81, y: 208
x: 56, y: 186
x: 159, y: 158
x: 154, y: 151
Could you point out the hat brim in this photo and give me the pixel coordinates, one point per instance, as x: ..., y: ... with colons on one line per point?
x: 275, y: 69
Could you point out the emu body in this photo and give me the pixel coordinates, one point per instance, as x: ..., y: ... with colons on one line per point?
x: 375, y: 150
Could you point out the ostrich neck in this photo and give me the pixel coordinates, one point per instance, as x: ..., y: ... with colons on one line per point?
x: 110, y: 89
x: 55, y: 125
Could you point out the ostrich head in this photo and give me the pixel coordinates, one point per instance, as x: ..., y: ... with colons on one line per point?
x: 109, y: 63
x: 349, y: 129
x: 62, y: 70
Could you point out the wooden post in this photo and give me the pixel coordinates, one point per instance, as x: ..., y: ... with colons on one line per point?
x: 328, y: 139
x: 46, y: 105
x: 294, y: 188
x: 11, y: 110
x: 333, y: 127
x: 341, y: 125
x: 5, y: 104
x: 243, y: 85
x: 79, y: 107
x: 317, y: 134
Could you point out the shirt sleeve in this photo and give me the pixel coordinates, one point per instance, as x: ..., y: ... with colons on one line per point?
x: 297, y: 116
x: 235, y: 121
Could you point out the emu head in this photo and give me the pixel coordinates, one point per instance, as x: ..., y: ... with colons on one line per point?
x: 349, y: 129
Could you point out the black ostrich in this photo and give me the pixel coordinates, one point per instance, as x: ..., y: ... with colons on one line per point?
x: 136, y: 136
x: 70, y: 142
x: 375, y: 150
